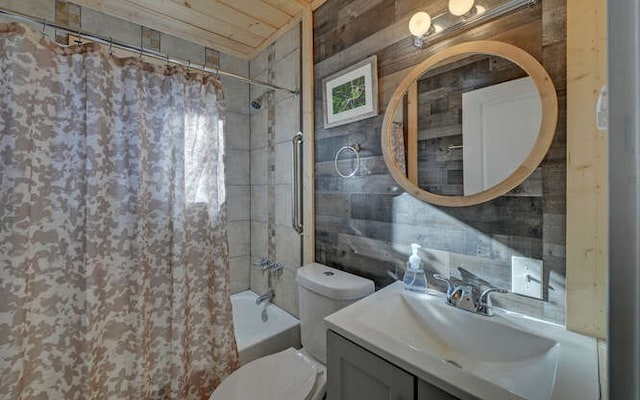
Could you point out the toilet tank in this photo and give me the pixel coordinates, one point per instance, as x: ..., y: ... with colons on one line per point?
x: 322, y: 291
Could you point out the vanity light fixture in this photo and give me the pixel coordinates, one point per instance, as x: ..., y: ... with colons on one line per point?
x: 460, y: 8
x: 425, y: 29
x: 420, y: 27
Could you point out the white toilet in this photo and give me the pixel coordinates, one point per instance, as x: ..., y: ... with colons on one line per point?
x: 299, y: 374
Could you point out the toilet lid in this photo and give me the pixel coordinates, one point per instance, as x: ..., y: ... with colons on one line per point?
x: 283, y: 376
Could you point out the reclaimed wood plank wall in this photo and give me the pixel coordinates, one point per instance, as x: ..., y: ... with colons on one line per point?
x: 365, y: 224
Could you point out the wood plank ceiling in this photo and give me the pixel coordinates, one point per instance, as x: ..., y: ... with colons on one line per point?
x: 239, y: 27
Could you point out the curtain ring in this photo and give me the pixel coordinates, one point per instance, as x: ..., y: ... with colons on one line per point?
x: 110, y: 46
x: 43, y: 32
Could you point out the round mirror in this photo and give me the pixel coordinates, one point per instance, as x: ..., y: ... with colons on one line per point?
x: 469, y: 123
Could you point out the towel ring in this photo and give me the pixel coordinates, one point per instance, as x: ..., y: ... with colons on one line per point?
x: 347, y: 160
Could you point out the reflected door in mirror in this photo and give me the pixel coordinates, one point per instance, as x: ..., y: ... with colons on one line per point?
x: 500, y: 124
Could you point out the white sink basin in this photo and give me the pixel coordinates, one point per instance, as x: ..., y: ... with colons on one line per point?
x: 484, y: 346
x: 506, y: 356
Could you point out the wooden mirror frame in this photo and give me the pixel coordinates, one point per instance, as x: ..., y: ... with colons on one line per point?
x: 547, y: 131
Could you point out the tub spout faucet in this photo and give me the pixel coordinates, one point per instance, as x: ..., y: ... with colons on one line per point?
x: 265, y: 297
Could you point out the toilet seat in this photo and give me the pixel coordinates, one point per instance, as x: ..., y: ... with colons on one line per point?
x: 288, y: 375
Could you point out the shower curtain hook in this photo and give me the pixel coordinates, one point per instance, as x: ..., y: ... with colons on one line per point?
x: 44, y: 26
x: 167, y: 58
x: 140, y: 55
x: 110, y: 46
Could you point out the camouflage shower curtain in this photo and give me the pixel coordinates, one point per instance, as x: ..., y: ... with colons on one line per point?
x: 113, y: 245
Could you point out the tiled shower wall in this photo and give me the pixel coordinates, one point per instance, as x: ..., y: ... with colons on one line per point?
x: 272, y: 128
x: 236, y: 97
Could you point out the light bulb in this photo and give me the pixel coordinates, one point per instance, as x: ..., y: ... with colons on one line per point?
x: 420, y: 23
x: 460, y: 7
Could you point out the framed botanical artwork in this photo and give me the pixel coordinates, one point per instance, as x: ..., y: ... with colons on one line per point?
x: 351, y: 94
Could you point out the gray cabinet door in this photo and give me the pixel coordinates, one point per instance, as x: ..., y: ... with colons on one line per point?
x: 354, y: 373
x: 427, y: 391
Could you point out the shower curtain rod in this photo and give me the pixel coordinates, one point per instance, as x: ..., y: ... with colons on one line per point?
x: 142, y: 51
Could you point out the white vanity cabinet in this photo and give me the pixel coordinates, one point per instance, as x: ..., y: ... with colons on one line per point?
x: 357, y: 374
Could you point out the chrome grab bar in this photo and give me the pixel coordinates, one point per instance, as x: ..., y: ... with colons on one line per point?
x: 296, y: 182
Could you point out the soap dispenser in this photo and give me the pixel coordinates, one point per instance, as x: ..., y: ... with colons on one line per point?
x: 414, y: 276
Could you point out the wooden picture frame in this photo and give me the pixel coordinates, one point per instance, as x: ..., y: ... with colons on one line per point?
x: 351, y: 94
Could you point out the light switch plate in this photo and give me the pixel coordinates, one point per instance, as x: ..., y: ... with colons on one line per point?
x: 526, y: 276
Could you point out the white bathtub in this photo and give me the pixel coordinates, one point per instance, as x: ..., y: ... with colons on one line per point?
x: 256, y: 338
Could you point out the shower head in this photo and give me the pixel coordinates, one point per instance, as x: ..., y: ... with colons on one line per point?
x: 256, y: 104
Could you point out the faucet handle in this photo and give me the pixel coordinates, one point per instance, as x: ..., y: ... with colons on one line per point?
x: 263, y: 263
x: 450, y: 287
x: 485, y: 295
x: 484, y: 300
x: 276, y: 268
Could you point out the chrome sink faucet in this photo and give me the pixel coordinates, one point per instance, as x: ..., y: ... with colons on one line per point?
x: 461, y: 296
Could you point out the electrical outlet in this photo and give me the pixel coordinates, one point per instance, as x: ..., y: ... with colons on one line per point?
x: 526, y: 276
